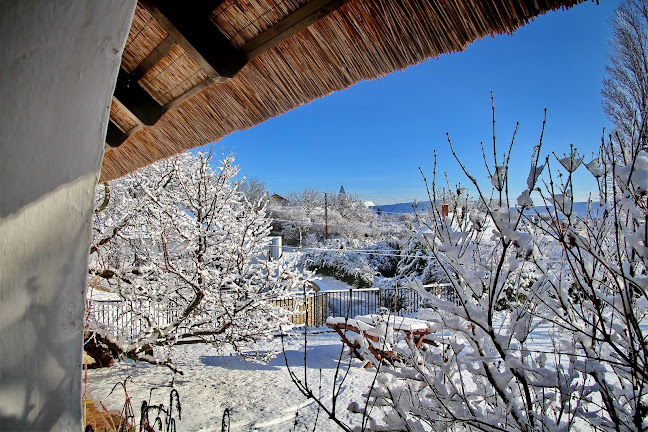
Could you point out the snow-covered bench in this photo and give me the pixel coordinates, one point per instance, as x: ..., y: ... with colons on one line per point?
x: 378, y: 333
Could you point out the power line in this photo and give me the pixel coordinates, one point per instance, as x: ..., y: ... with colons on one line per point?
x: 375, y: 211
x: 364, y: 252
x: 321, y: 223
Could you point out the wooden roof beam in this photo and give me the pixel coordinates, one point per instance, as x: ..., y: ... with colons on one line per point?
x: 188, y: 22
x: 155, y: 56
x: 292, y: 24
x: 193, y: 91
x: 116, y: 135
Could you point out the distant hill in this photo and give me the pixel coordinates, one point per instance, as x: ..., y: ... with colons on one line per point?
x: 579, y: 209
x: 401, y: 207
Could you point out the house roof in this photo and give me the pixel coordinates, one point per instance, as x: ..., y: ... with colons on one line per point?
x: 277, y: 199
x: 195, y: 71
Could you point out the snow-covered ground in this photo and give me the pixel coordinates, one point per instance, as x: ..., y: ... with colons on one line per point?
x: 101, y: 295
x: 327, y: 283
x: 258, y: 396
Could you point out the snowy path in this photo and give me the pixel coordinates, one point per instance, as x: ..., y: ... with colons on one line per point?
x: 259, y: 396
x: 327, y: 283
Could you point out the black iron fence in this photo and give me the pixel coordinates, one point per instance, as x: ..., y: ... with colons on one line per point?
x: 313, y: 310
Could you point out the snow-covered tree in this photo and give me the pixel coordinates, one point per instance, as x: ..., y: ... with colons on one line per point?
x: 570, y: 351
x: 185, y: 250
x: 297, y: 221
x: 350, y: 218
x: 255, y: 191
x: 625, y: 88
x: 307, y: 217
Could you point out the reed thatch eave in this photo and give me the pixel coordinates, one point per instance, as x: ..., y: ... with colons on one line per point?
x: 356, y: 40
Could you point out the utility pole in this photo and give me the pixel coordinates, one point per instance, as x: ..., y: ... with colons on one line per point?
x: 325, y: 216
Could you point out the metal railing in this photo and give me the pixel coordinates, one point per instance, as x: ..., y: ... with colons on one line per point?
x: 399, y: 301
x: 443, y: 291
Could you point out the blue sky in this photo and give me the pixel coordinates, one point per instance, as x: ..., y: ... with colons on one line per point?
x: 373, y: 136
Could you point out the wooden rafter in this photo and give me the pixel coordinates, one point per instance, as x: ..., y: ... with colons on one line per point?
x: 155, y: 56
x: 189, y: 24
x: 193, y: 91
x: 115, y: 136
x: 292, y: 24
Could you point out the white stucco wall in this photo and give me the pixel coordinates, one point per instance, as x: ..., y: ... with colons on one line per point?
x: 58, y: 68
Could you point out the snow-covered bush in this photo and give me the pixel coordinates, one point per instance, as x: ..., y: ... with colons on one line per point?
x: 384, y: 257
x: 416, y: 262
x: 294, y: 223
x: 343, y: 260
x: 354, y: 262
x: 490, y: 374
x: 570, y: 351
x: 185, y: 251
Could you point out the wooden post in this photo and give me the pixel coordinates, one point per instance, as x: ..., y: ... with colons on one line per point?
x: 325, y: 216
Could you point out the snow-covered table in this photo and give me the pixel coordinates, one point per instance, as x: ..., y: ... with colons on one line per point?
x: 377, y: 333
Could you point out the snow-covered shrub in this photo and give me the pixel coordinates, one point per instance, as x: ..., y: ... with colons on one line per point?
x: 417, y: 261
x: 341, y: 260
x: 185, y: 251
x: 384, y: 257
x: 570, y: 352
x: 354, y: 262
x: 513, y: 295
x: 491, y: 374
x: 294, y: 223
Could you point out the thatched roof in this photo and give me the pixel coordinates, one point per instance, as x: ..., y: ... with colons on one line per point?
x: 190, y: 76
